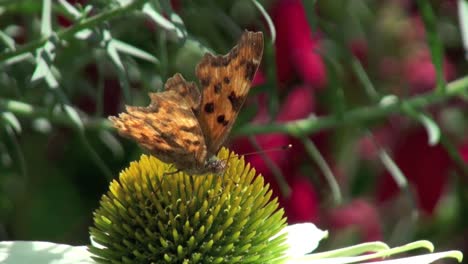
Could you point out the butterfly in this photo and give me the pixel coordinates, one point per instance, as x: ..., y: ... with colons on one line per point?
x: 186, y: 126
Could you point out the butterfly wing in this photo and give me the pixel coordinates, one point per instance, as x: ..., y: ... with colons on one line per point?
x: 225, y: 83
x: 168, y: 127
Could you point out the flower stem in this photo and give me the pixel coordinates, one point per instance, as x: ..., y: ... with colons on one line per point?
x: 297, y: 128
x: 70, y: 32
x: 28, y: 111
x: 311, y: 125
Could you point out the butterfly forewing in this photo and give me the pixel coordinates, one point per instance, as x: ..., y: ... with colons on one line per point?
x: 225, y: 82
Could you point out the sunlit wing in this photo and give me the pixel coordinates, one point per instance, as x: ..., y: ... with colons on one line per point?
x: 225, y: 82
x: 167, y: 128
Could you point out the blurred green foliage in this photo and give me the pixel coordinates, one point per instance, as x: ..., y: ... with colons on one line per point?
x: 64, y: 69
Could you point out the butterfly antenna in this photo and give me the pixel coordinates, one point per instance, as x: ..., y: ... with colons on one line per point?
x: 285, y: 147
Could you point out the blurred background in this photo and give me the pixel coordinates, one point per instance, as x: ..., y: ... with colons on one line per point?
x: 364, y: 91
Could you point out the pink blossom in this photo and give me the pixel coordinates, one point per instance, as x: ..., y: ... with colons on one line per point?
x: 302, y: 204
x: 296, y: 49
x: 358, y: 214
x: 420, y: 73
x: 425, y: 167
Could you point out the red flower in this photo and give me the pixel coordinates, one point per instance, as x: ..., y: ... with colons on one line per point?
x: 296, y: 49
x: 302, y: 204
x: 425, y: 167
x: 464, y: 152
x: 359, y: 49
x: 299, y: 104
x: 358, y: 214
x: 420, y: 73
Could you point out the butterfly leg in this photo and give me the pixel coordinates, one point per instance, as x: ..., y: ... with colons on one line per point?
x: 172, y: 173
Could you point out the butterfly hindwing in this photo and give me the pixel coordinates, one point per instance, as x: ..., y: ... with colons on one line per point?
x: 168, y: 127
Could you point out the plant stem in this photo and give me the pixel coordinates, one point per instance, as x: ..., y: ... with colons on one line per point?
x: 297, y: 128
x: 70, y: 32
x: 313, y: 124
x: 28, y: 111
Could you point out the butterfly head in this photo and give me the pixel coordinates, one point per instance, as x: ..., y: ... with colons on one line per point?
x: 215, y: 165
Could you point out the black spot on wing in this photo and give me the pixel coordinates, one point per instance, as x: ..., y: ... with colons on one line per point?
x: 221, y: 61
x: 236, y: 101
x: 205, y: 81
x: 217, y: 88
x: 221, y: 120
x: 250, y: 69
x: 209, y: 108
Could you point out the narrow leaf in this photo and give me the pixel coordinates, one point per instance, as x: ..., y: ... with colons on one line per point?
x: 391, y: 166
x: 114, y: 55
x: 134, y: 51
x: 46, y: 26
x: 83, y: 34
x: 315, y: 154
x: 11, y: 119
x: 268, y: 19
x: 433, y: 40
x: 44, y: 58
x: 463, y: 15
x: 9, y: 42
x: 158, y: 18
x: 364, y: 79
x: 74, y: 116
x: 112, y: 143
x: 19, y: 58
x: 176, y: 20
x: 70, y: 9
x: 433, y: 130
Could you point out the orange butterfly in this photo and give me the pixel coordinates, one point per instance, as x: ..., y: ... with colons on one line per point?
x: 186, y: 128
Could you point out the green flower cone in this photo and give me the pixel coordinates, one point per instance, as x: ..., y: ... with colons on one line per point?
x: 151, y: 216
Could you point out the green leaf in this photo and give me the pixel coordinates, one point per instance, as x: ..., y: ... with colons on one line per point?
x: 19, y: 58
x: 83, y: 34
x: 112, y: 143
x: 158, y: 18
x: 463, y: 16
x: 114, y: 55
x: 74, y: 116
x: 46, y: 26
x: 11, y: 119
x: 44, y: 56
x: 9, y: 42
x: 315, y: 154
x: 391, y: 166
x: 70, y: 9
x: 432, y: 128
x: 434, y: 42
x: 268, y: 19
x: 364, y: 79
x: 133, y: 51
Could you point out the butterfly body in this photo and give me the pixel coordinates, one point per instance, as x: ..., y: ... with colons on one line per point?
x: 186, y: 127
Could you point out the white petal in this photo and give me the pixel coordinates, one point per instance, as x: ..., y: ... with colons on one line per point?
x: 423, y: 259
x: 12, y: 252
x: 302, y: 238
